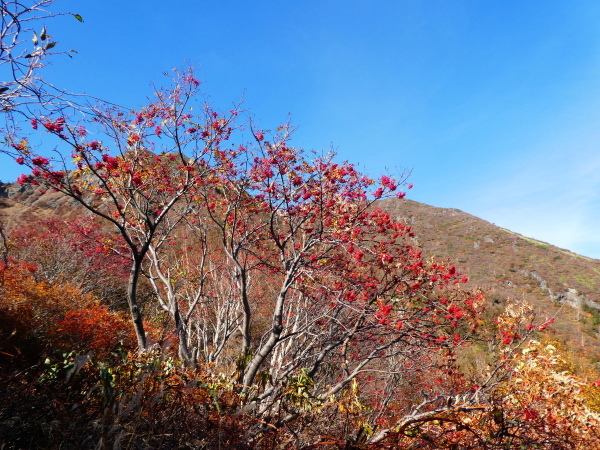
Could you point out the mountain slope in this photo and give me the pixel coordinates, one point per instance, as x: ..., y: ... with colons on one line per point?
x: 556, y: 282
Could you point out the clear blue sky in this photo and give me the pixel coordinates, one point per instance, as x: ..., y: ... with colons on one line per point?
x: 493, y: 105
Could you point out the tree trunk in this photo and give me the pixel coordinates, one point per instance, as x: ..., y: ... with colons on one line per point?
x: 134, y: 309
x: 181, y: 327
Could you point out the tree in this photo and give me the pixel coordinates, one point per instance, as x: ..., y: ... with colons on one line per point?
x: 160, y: 153
x: 291, y: 248
x: 327, y: 284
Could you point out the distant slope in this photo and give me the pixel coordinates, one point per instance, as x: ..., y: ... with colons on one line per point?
x: 21, y: 203
x: 505, y: 264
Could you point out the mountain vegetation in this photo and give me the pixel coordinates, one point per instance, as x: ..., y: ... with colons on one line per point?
x: 176, y: 277
x: 564, y: 285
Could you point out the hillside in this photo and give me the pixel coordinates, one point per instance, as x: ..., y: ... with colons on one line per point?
x: 19, y: 203
x: 431, y: 383
x: 556, y: 282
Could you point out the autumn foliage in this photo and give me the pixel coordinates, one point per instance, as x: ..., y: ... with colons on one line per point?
x: 237, y: 291
x: 38, y: 317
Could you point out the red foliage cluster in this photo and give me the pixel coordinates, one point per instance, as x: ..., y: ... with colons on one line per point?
x: 93, y: 327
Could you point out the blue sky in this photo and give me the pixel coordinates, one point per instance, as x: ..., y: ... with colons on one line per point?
x: 493, y: 105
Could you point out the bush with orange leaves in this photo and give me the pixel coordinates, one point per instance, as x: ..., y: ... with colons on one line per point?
x: 37, y: 315
x: 94, y: 327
